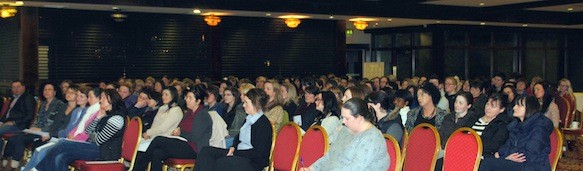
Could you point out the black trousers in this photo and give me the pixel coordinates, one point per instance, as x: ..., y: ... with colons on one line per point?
x: 216, y: 159
x: 16, y: 145
x: 497, y: 164
x: 161, y: 149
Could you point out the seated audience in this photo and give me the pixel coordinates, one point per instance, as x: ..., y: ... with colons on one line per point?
x: 528, y: 144
x: 106, y: 133
x: 191, y: 135
x: 50, y: 119
x: 250, y: 151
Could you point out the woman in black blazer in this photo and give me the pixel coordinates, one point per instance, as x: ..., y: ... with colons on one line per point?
x: 250, y: 150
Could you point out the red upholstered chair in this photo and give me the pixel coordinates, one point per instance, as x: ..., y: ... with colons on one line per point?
x: 564, y: 109
x: 422, y: 148
x: 131, y: 139
x: 314, y: 145
x: 179, y: 164
x: 287, y: 146
x: 556, y: 138
x: 5, y: 106
x: 463, y: 150
x: 396, y: 162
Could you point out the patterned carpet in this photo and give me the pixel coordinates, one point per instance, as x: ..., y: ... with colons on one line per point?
x: 572, y: 159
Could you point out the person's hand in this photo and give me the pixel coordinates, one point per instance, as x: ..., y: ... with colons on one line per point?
x: 497, y: 155
x: 516, y: 157
x: 101, y: 114
x: 176, y: 132
x: 45, y: 138
x: 9, y: 123
x: 231, y: 151
x: 146, y: 136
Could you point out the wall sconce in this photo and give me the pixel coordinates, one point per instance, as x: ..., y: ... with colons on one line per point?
x: 360, y: 25
x: 292, y: 22
x: 7, y: 11
x: 212, y: 20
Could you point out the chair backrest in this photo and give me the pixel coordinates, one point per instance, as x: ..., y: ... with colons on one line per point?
x: 422, y: 148
x: 563, y: 105
x: 314, y: 145
x: 131, y: 140
x: 287, y: 145
x: 556, y: 138
x: 463, y: 150
x: 394, y: 152
x: 5, y: 106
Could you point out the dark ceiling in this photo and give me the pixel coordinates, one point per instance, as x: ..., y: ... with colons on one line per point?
x: 513, y: 13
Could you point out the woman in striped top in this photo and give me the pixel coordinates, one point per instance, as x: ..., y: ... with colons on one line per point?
x: 106, y: 133
x: 492, y: 126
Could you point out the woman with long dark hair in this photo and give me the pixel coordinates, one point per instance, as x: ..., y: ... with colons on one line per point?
x: 387, y: 120
x: 106, y: 137
x: 544, y: 93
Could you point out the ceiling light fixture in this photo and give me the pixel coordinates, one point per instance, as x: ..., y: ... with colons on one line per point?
x: 482, y: 4
x: 570, y: 9
x: 118, y: 16
x: 292, y: 22
x: 7, y: 11
x: 482, y: 23
x: 268, y: 14
x: 331, y: 17
x: 525, y: 25
x: 196, y: 11
x: 360, y: 25
x: 390, y: 19
x: 212, y: 20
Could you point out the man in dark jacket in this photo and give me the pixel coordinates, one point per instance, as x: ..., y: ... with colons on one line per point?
x: 21, y: 110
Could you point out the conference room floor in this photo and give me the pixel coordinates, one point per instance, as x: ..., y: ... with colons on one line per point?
x: 572, y: 160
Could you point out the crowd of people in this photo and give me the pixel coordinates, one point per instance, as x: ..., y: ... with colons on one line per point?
x: 226, y: 124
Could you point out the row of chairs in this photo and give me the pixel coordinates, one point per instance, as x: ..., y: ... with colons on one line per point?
x: 463, y: 149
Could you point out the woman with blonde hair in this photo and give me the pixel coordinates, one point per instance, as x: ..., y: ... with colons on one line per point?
x: 274, y: 110
x: 565, y: 90
x: 290, y: 98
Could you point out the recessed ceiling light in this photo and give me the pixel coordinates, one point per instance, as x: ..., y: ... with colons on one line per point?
x: 437, y: 22
x: 331, y: 17
x: 569, y: 9
x: 525, y: 25
x: 197, y: 11
x: 114, y: 8
x: 19, y: 3
x: 482, y: 23
x: 376, y: 24
x: 482, y: 4
x: 390, y: 19
x: 268, y: 14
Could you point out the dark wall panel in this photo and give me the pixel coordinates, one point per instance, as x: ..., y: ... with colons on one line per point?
x: 259, y: 46
x: 9, y: 49
x: 91, y: 46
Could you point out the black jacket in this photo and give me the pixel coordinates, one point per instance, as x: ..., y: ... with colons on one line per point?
x: 261, y: 137
x: 495, y: 134
x: 448, y: 126
x: 22, y: 112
